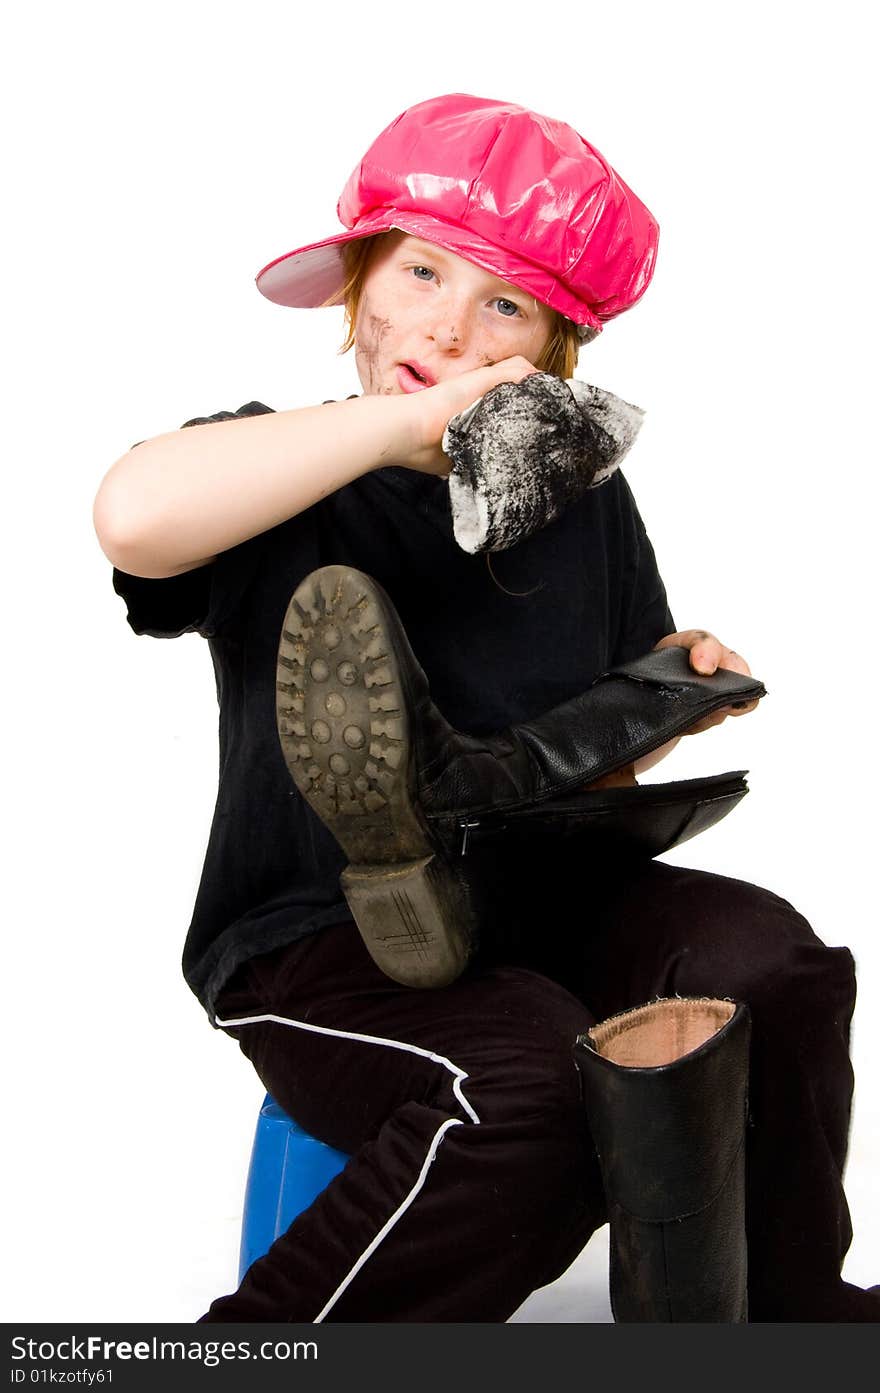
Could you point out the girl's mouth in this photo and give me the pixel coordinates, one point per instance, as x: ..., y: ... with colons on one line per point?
x: 410, y: 379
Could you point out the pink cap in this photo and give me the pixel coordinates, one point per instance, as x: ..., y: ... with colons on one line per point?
x: 518, y: 194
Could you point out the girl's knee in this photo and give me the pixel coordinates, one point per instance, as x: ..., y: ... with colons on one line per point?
x: 765, y: 953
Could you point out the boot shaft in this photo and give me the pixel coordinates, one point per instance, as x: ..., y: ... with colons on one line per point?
x: 665, y: 1091
x: 628, y: 712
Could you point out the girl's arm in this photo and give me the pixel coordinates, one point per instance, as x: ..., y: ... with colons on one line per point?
x: 173, y: 502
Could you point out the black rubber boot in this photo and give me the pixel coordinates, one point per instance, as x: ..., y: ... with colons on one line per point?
x: 398, y: 787
x: 665, y: 1090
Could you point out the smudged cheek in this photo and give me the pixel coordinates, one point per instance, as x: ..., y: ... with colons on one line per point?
x: 371, y: 332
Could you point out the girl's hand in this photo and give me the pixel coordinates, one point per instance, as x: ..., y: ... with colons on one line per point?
x: 432, y: 409
x: 706, y: 654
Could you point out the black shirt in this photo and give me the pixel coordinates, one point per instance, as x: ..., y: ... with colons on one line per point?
x: 498, y: 646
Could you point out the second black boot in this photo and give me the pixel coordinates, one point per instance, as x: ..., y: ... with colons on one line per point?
x: 665, y: 1088
x: 399, y: 787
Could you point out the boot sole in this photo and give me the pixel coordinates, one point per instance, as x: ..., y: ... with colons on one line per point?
x: 346, y: 736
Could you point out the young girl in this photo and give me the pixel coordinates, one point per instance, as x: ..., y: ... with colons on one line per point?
x: 484, y: 243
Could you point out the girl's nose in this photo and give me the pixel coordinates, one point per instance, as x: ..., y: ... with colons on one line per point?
x: 447, y: 336
x: 449, y: 327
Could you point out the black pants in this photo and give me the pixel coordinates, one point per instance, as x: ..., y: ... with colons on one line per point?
x: 473, y: 1180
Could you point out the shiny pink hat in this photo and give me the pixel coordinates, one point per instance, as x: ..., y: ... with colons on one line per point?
x: 518, y: 194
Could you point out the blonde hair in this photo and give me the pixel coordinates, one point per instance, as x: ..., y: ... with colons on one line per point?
x: 560, y: 353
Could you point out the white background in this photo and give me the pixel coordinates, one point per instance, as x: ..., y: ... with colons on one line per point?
x: 158, y: 157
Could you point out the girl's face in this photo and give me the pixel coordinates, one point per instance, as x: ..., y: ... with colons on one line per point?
x: 426, y: 315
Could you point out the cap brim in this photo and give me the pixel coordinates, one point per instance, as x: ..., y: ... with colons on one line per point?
x: 314, y: 275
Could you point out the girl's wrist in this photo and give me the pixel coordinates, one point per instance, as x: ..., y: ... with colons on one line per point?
x: 414, y: 438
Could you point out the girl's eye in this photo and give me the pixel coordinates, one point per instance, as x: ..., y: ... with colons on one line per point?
x: 507, y: 308
x: 422, y: 273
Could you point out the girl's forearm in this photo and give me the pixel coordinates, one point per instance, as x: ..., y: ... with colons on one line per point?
x: 175, y: 501
x: 178, y: 499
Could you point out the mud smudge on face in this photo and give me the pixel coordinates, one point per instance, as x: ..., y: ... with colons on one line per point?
x: 370, y: 330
